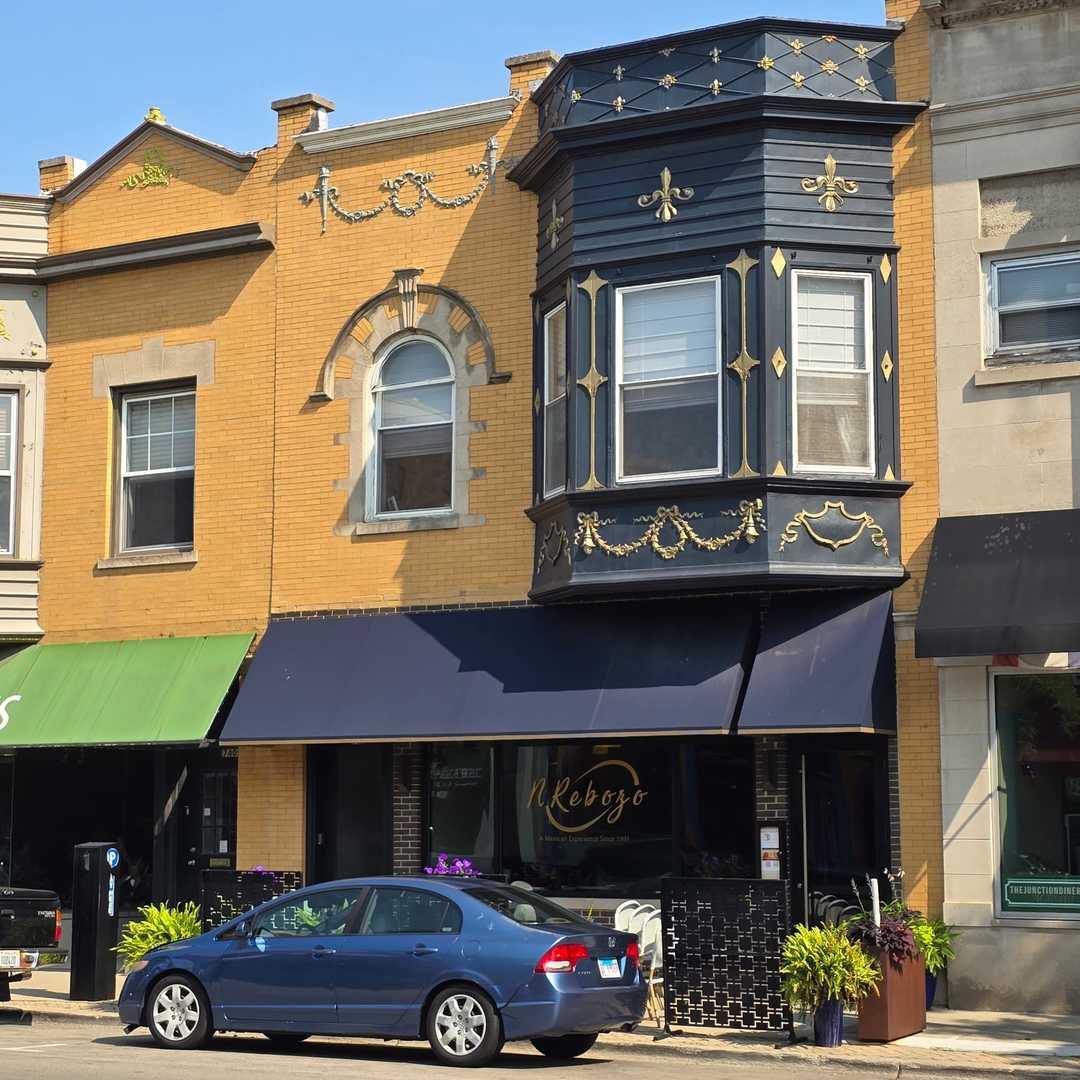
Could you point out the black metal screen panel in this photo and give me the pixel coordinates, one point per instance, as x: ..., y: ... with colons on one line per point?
x: 228, y: 893
x: 722, y: 940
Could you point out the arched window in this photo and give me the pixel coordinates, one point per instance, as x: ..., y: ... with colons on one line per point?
x: 414, y: 429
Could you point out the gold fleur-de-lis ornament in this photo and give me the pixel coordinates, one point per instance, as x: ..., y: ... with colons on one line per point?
x: 833, y: 188
x: 665, y: 195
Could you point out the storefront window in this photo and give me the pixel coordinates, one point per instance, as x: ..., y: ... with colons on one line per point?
x: 596, y: 818
x: 1038, y: 735
x: 461, y: 811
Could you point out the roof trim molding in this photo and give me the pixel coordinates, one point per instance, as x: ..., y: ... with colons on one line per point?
x: 494, y: 110
x: 234, y: 239
x: 93, y: 172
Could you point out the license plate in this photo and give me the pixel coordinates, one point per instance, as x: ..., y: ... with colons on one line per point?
x: 9, y: 958
x: 609, y: 968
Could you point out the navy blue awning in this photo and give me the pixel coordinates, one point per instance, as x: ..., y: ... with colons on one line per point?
x: 625, y: 668
x: 824, y: 663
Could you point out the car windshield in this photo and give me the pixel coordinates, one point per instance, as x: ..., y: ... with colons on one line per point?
x: 526, y: 908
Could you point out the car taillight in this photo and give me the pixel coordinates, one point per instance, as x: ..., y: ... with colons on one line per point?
x: 59, y: 926
x: 633, y: 952
x: 561, y: 958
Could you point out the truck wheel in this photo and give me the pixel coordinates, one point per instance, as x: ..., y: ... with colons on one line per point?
x: 179, y: 1014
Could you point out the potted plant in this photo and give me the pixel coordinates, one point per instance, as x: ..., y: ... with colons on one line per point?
x: 823, y: 970
x: 899, y: 1008
x: 160, y: 924
x: 934, y: 940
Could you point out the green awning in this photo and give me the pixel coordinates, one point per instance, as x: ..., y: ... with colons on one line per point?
x: 154, y: 690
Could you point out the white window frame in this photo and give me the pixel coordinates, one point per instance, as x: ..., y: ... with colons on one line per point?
x: 548, y: 400
x: 868, y: 353
x: 644, y: 478
x: 377, y: 390
x: 126, y: 400
x: 13, y: 468
x: 1001, y: 916
x: 994, y: 312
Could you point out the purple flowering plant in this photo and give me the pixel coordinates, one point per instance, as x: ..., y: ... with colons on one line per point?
x: 453, y: 867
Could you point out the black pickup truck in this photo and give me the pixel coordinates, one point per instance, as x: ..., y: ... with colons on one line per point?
x: 29, y: 926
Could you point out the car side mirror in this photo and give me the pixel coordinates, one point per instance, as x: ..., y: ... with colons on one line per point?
x: 242, y: 929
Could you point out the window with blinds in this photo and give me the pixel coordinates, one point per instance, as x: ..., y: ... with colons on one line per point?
x: 9, y: 409
x: 1036, y: 303
x: 833, y: 384
x: 555, y: 401
x: 158, y: 470
x: 668, y: 373
x: 414, y: 424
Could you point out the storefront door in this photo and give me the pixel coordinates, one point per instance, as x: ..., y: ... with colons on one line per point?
x: 349, y: 810
x: 840, y: 815
x: 7, y: 793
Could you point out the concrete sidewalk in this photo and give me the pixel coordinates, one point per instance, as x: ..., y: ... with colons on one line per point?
x: 961, y: 1043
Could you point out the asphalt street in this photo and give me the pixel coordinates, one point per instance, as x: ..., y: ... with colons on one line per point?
x: 59, y: 1051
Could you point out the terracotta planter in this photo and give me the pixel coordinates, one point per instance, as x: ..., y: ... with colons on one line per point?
x: 899, y: 1007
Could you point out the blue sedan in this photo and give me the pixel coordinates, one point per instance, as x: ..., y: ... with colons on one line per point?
x: 464, y: 962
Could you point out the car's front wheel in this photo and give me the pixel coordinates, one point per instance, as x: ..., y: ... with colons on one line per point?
x: 463, y: 1026
x: 179, y: 1014
x: 564, y: 1047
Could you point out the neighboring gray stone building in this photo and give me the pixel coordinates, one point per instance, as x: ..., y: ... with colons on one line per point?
x: 1001, y: 608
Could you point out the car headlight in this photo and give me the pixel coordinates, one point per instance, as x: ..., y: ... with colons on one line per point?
x: 138, y: 966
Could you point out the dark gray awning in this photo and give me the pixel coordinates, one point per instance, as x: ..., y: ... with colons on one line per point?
x: 589, y: 669
x: 825, y: 662
x: 1002, y: 583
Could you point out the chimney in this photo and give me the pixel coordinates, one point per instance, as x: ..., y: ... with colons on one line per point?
x: 529, y: 70
x: 305, y: 112
x: 55, y: 172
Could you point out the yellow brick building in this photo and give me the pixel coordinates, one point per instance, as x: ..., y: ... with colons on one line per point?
x: 253, y: 305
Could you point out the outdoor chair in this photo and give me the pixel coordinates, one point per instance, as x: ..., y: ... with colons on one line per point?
x: 624, y: 912
x: 522, y: 885
x: 637, y: 919
x: 651, y: 961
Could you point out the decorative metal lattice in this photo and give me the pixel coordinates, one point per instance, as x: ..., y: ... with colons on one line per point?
x: 228, y: 893
x: 722, y: 940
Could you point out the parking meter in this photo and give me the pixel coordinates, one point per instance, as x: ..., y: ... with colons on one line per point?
x: 95, y: 919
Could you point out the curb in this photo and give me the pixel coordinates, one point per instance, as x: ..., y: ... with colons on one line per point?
x: 804, y: 1054
x: 61, y: 1016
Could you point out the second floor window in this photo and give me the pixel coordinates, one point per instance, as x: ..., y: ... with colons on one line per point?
x: 555, y: 401
x: 668, y: 379
x: 1035, y: 302
x: 414, y: 429
x: 157, y: 470
x: 833, y: 414
x: 9, y: 412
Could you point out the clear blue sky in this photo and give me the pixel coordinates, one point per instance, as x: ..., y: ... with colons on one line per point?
x: 214, y: 68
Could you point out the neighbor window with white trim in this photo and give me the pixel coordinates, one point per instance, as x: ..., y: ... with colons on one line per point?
x: 555, y: 401
x: 414, y: 430
x: 833, y: 413
x: 668, y: 378
x: 9, y: 414
x: 1035, y: 302
x: 157, y: 470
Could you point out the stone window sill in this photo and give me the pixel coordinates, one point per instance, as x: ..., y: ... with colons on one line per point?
x: 1003, y: 372
x: 420, y: 523
x: 148, y: 559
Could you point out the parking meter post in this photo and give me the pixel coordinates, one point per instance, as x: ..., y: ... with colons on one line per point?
x: 95, y: 920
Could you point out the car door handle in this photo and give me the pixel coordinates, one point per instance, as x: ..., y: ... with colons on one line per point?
x: 322, y: 951
x: 424, y: 950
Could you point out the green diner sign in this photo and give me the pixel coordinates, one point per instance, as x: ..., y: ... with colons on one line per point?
x: 1042, y: 894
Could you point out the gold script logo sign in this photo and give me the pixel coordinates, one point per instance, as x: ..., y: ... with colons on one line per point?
x: 601, y: 794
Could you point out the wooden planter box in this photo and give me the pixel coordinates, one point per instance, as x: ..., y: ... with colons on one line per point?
x: 899, y: 1008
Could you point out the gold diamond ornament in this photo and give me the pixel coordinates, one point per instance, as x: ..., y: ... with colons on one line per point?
x: 779, y: 362
x: 778, y: 262
x: 887, y: 365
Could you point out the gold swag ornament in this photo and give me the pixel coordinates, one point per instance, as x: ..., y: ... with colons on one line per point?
x: 589, y: 537
x: 863, y: 522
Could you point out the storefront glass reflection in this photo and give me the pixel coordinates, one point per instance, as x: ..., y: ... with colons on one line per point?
x: 596, y: 819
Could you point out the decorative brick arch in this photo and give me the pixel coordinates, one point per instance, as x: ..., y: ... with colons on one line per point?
x: 408, y: 309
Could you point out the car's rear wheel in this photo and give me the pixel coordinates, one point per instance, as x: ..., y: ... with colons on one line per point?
x: 565, y: 1047
x: 179, y: 1014
x: 463, y: 1026
x: 285, y: 1040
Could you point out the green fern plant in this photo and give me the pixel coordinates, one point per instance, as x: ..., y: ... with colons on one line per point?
x: 159, y: 925
x: 822, y: 963
x: 934, y: 940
